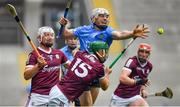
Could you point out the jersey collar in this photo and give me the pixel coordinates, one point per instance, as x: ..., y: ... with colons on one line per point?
x: 48, y: 52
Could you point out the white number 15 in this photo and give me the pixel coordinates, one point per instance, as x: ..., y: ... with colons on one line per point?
x: 83, y: 66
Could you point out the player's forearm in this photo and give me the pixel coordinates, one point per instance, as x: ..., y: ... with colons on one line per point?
x: 104, y: 83
x: 122, y: 35
x: 126, y: 80
x: 30, y: 72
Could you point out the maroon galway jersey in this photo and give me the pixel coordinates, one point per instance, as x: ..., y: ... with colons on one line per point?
x: 83, y: 69
x: 137, y: 71
x: 47, y: 77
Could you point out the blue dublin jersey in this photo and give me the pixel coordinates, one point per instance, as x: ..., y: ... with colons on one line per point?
x: 67, y: 53
x: 87, y: 34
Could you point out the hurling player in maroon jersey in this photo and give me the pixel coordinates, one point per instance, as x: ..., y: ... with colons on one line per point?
x: 131, y: 90
x: 43, y: 71
x: 84, y: 68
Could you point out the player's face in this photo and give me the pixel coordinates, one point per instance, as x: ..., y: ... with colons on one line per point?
x: 102, y: 55
x: 72, y: 43
x: 143, y: 55
x: 47, y: 39
x: 102, y: 20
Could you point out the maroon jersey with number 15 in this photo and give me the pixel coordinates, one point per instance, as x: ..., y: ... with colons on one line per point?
x: 83, y: 69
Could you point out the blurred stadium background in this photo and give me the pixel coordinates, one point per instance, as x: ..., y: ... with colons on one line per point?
x: 125, y: 14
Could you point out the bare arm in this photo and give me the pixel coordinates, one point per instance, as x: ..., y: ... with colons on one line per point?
x: 144, y: 92
x: 66, y: 32
x: 31, y: 71
x: 104, y: 82
x: 124, y: 78
x: 117, y: 35
x: 138, y: 31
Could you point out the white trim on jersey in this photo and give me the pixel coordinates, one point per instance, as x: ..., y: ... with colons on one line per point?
x: 103, y: 76
x: 48, y: 52
x: 29, y: 66
x: 129, y: 63
x: 127, y: 69
x: 68, y: 62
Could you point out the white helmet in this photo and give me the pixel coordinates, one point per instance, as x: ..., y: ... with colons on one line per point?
x: 97, y: 11
x: 44, y: 29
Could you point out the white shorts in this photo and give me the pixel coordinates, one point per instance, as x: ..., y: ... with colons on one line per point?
x: 37, y: 100
x: 57, y: 98
x: 118, y: 101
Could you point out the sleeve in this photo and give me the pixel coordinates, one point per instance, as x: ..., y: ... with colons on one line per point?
x: 109, y: 31
x: 64, y: 58
x: 32, y: 60
x: 129, y: 65
x: 77, y: 31
x: 101, y: 72
x: 151, y: 66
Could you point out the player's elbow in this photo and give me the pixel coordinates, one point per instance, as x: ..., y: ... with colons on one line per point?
x: 104, y: 84
x: 105, y: 87
x: 122, y: 79
x: 26, y: 77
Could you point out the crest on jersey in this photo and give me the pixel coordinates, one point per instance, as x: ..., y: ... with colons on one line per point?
x: 101, y: 36
x: 57, y: 56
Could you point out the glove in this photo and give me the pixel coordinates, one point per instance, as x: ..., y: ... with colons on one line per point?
x: 140, y: 81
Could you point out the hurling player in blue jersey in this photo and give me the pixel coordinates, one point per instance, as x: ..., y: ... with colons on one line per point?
x: 69, y: 49
x: 71, y: 45
x: 99, y: 30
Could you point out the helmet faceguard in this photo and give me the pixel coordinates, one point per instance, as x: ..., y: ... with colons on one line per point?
x: 100, y: 49
x: 44, y: 29
x: 145, y: 48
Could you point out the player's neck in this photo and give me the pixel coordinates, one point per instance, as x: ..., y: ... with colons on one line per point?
x: 45, y: 48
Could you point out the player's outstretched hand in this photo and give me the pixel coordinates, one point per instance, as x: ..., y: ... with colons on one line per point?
x: 141, y: 31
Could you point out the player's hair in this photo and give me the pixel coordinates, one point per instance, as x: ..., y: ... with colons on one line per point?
x: 43, y: 30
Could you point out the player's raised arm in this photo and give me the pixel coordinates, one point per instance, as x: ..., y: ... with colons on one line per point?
x: 66, y: 32
x: 104, y: 82
x: 139, y: 31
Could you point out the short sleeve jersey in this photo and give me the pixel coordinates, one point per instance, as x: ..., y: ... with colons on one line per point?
x: 137, y: 71
x: 83, y: 69
x: 87, y: 34
x: 48, y: 76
